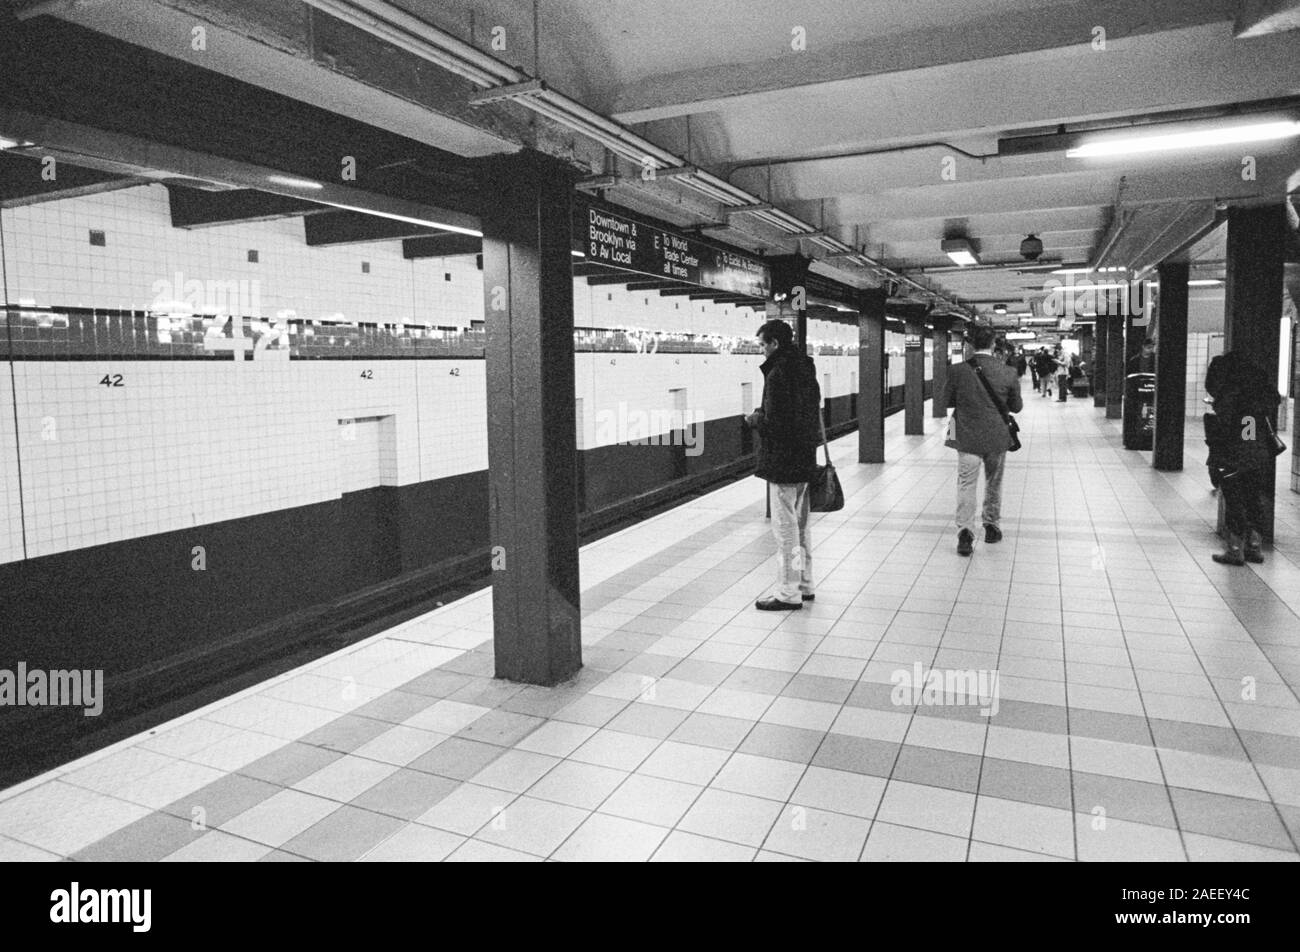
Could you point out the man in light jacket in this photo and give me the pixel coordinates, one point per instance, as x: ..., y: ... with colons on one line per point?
x: 789, y: 427
x: 981, y: 437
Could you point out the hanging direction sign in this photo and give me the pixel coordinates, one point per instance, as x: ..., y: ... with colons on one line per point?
x: 617, y: 241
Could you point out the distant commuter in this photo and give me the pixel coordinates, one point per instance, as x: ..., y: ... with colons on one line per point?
x: 1241, y: 440
x: 1022, y: 364
x: 980, y: 435
x: 1045, y: 364
x: 789, y: 427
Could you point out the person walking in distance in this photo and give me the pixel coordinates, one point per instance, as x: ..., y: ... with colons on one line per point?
x: 980, y: 435
x: 1242, y: 447
x: 789, y: 427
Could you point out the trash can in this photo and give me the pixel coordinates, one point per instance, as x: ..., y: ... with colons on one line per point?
x: 1139, y: 411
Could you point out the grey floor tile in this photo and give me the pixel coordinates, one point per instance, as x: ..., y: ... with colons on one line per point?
x: 857, y: 754
x: 702, y: 672
x: 395, y: 706
x: 650, y: 665
x: 486, y: 692
x: 814, y: 687
x: 606, y: 659
x: 280, y: 856
x: 147, y: 840
x: 346, y: 733
x: 592, y: 710
x: 1105, y: 725
x: 1197, y: 738
x: 758, y: 679
x: 540, y: 702
x: 503, y: 728
x: 475, y: 663
x: 1274, y: 749
x: 1230, y: 818
x: 437, y: 683
x: 1026, y: 783
x: 938, y: 768
x: 710, y: 730
x: 406, y: 794
x: 457, y: 758
x: 222, y: 800
x: 780, y: 742
x: 648, y: 720
x: 344, y: 835
x: 1030, y: 716
x: 1123, y: 799
x: 290, y: 763
x: 873, y: 696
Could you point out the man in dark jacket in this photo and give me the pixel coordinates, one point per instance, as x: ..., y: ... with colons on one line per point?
x: 789, y: 427
x: 1240, y: 434
x: 980, y: 436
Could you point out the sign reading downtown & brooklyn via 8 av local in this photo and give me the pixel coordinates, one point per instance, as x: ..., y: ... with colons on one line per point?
x: 616, y: 241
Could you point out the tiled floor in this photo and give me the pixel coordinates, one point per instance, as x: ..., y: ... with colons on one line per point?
x: 1147, y: 702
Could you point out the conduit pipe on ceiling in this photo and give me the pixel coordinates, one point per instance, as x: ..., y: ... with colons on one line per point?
x: 414, y: 35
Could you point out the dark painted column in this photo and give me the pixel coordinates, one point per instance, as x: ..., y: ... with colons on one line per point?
x: 1135, y: 332
x: 789, y: 278
x: 1171, y: 368
x: 871, y: 375
x: 528, y: 302
x: 1099, y: 358
x: 914, y: 374
x: 1257, y: 238
x: 1114, y: 359
x: 940, y: 336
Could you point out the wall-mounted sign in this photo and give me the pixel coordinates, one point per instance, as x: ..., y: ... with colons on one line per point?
x: 912, y: 342
x: 617, y: 241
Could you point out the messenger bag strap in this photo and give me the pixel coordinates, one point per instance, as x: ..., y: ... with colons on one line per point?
x: 997, y: 401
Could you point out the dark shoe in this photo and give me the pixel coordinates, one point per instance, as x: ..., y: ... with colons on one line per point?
x: 1232, y: 555
x: 992, y: 534
x: 965, y: 542
x: 809, y: 596
x: 1254, y: 548
x: 776, y: 605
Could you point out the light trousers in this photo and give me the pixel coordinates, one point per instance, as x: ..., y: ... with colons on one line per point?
x: 968, y: 474
x: 794, y: 577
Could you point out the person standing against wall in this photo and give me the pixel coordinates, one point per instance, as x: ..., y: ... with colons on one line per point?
x: 789, y: 427
x: 980, y: 435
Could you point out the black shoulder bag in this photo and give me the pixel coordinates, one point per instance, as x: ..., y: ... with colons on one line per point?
x: 825, y: 494
x: 1012, y: 426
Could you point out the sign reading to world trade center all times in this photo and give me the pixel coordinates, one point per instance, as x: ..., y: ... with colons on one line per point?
x: 617, y: 241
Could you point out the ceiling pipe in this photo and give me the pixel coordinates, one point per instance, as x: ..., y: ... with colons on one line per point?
x: 380, y: 18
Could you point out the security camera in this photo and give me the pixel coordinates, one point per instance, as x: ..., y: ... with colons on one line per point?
x: 1031, y: 248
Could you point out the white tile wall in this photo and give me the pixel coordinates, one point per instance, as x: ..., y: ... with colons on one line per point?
x: 186, y: 443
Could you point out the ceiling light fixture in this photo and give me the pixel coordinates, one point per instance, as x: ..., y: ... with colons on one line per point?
x: 1204, y: 283
x: 13, y: 143
x: 1197, y: 139
x: 960, y: 251
x: 294, y: 182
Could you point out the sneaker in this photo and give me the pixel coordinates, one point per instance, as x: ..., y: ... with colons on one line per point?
x: 776, y: 605
x: 1254, y: 548
x: 965, y: 542
x: 992, y: 534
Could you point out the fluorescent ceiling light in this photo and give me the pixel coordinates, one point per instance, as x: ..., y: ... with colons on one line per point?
x: 577, y: 254
x: 12, y: 143
x: 294, y: 182
x: 1203, y: 282
x: 960, y: 251
x: 1087, y: 270
x: 406, y: 218
x: 1198, y: 139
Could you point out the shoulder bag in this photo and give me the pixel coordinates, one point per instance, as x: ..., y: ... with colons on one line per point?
x: 1012, y: 426
x: 825, y: 493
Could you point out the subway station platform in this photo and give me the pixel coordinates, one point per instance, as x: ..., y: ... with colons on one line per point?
x: 1146, y: 705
